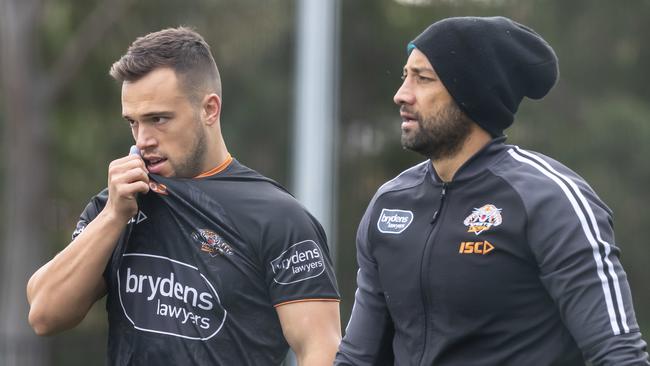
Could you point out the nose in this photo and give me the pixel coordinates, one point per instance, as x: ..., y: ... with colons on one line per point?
x: 144, y: 137
x: 404, y: 94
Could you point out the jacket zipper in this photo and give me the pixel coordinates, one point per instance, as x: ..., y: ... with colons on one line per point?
x: 423, y: 268
x: 436, y: 214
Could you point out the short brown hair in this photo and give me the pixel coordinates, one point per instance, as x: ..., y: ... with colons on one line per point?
x: 181, y: 49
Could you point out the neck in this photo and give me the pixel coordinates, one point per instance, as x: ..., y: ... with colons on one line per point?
x: 217, y: 152
x: 446, y: 168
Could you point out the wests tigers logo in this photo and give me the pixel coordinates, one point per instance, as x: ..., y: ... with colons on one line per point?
x: 212, y: 243
x: 483, y: 218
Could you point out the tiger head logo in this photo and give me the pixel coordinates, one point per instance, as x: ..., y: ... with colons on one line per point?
x: 212, y: 243
x: 483, y: 218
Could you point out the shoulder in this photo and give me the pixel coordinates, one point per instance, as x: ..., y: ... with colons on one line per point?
x: 242, y: 185
x: 538, y: 178
x: 254, y: 197
x: 405, y: 180
x: 398, y: 188
x: 95, y: 205
x: 93, y: 208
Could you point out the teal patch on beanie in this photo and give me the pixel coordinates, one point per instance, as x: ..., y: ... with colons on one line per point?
x: 410, y: 47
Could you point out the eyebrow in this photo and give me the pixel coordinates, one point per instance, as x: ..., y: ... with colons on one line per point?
x: 151, y: 114
x: 418, y: 70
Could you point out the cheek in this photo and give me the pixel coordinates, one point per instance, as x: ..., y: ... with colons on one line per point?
x: 184, y: 138
x: 434, y: 103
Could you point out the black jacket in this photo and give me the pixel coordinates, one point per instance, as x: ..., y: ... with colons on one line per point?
x: 511, y: 263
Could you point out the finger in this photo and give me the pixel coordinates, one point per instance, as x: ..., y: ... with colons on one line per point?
x: 121, y: 165
x: 123, y: 160
x: 131, y: 176
x: 130, y: 190
x: 134, y: 150
x: 136, y: 163
x: 139, y: 187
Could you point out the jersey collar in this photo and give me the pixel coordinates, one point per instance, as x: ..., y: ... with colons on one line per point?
x: 216, y: 170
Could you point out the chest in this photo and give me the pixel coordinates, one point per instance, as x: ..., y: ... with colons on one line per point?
x: 179, y: 268
x: 464, y: 249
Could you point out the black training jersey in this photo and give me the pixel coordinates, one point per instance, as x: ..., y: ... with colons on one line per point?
x: 197, y: 272
x: 511, y: 263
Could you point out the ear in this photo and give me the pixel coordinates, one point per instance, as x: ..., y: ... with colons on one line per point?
x: 211, y: 108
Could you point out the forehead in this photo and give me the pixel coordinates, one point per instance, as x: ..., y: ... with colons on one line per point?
x: 417, y: 60
x: 159, y: 89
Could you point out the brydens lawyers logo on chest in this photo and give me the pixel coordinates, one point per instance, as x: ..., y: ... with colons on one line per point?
x: 483, y: 218
x: 165, y: 296
x: 393, y: 221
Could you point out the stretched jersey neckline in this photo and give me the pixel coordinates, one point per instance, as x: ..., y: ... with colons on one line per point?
x: 217, y: 169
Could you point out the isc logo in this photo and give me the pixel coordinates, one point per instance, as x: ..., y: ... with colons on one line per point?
x: 475, y: 247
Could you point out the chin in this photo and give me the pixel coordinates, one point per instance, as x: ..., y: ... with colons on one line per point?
x: 166, y: 174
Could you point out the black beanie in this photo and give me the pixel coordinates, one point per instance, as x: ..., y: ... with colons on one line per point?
x: 488, y: 65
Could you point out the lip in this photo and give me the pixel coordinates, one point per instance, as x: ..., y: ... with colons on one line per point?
x: 154, y: 164
x: 408, y: 117
x: 409, y: 124
x: 409, y: 121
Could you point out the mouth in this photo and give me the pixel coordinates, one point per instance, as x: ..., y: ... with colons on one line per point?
x: 409, y: 121
x: 154, y: 164
x: 408, y: 118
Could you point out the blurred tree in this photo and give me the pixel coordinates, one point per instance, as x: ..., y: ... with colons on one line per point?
x: 30, y: 88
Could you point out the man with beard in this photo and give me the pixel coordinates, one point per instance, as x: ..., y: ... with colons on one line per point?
x: 485, y: 254
x: 203, y: 260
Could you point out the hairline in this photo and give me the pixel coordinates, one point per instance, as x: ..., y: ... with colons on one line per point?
x: 194, y: 92
x: 195, y: 79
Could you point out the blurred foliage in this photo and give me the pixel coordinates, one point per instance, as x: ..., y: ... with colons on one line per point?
x: 595, y: 120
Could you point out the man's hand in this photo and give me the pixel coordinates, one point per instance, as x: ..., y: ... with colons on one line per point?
x: 62, y: 291
x: 127, y: 177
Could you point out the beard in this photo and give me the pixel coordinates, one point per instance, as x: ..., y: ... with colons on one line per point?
x: 439, y: 136
x: 191, y: 164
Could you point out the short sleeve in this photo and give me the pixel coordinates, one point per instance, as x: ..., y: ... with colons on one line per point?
x: 93, y: 208
x: 296, y: 258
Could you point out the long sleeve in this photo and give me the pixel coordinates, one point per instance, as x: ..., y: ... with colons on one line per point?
x: 369, y: 333
x: 571, y: 235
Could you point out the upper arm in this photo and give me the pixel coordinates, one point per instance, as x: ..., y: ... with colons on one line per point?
x: 580, y: 268
x: 369, y: 333
x: 300, y: 280
x: 312, y: 329
x: 61, y: 292
x: 571, y: 235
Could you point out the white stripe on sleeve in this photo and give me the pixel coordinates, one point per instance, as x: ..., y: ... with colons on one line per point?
x: 554, y: 175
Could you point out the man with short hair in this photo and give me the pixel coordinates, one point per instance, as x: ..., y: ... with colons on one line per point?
x: 204, y: 261
x: 485, y: 254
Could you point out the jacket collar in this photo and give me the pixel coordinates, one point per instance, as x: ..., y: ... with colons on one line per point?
x: 477, y: 164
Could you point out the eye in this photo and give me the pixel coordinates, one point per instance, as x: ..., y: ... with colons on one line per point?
x: 131, y: 122
x: 421, y: 78
x: 159, y: 119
